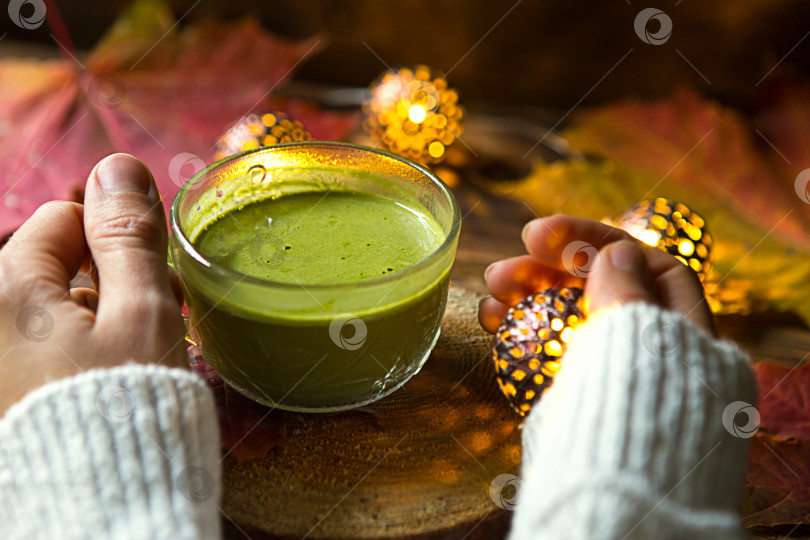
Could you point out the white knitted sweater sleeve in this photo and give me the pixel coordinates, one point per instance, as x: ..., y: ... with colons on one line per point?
x: 129, y: 452
x: 630, y: 443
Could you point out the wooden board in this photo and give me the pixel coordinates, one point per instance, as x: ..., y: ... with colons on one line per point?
x: 359, y: 482
x: 416, y: 464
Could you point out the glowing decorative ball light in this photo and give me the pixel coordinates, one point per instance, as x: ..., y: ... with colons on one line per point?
x: 254, y: 130
x: 413, y: 113
x: 672, y: 227
x: 531, y: 341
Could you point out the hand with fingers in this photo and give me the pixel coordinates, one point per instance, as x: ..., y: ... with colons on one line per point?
x: 134, y: 317
x: 632, y: 440
x: 613, y: 267
x: 98, y: 425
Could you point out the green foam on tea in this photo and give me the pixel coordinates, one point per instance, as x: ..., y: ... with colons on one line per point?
x: 320, y: 238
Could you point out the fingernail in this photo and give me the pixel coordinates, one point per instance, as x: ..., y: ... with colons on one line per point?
x: 486, y: 272
x: 625, y: 255
x: 525, y: 231
x: 122, y: 172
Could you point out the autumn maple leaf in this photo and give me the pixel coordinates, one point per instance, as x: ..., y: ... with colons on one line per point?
x: 777, y: 482
x: 148, y: 88
x: 708, y: 156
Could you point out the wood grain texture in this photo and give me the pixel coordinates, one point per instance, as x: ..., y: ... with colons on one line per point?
x: 406, y: 470
x: 417, y: 463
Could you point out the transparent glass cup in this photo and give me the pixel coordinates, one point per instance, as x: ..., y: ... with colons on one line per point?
x: 313, y: 347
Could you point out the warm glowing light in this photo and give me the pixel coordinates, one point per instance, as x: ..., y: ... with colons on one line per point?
x: 253, y: 130
x: 413, y: 113
x: 673, y: 228
x: 417, y: 113
x: 649, y: 237
x: 436, y: 149
x: 659, y: 221
x: 530, y: 361
x: 686, y: 247
x: 550, y: 368
x: 553, y: 348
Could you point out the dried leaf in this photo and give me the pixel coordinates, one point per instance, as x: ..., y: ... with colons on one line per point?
x: 148, y: 88
x: 707, y: 149
x: 784, y: 399
x: 691, y: 150
x: 777, y: 483
x: 751, y: 271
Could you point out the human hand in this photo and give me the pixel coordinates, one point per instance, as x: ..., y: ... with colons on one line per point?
x: 613, y: 267
x: 48, y: 331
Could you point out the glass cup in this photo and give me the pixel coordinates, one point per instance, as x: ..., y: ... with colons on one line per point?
x: 314, y: 347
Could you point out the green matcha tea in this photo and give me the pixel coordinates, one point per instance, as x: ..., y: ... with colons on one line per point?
x: 320, y: 238
x: 314, y: 359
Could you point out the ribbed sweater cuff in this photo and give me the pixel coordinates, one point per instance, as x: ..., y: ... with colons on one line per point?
x: 630, y: 440
x: 128, y: 452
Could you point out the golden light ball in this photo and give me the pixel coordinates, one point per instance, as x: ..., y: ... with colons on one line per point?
x: 672, y: 227
x: 531, y: 342
x: 413, y: 113
x: 256, y: 130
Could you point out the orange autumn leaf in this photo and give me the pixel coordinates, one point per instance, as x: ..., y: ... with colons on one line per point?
x: 704, y: 148
x: 695, y: 151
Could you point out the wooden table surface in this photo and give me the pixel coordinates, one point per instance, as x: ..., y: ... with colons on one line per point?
x: 491, y: 231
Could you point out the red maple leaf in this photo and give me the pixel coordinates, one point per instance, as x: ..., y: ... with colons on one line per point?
x: 149, y: 89
x: 777, y: 482
x: 784, y: 399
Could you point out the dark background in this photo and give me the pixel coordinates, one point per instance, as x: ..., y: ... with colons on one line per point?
x: 543, y: 53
